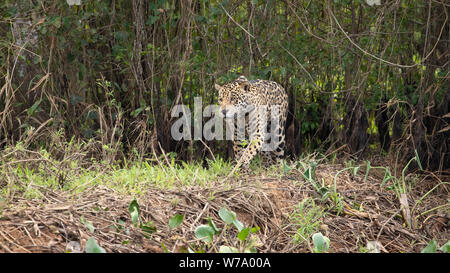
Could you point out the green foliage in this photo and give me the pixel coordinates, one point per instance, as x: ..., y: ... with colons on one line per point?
x: 147, y: 228
x: 229, y: 217
x: 133, y: 208
x: 243, y: 234
x: 306, y: 218
x: 93, y: 247
x: 84, y: 59
x: 99, y: 80
x: 205, y: 233
x: 246, y: 236
x: 445, y: 248
x: 432, y: 247
x: 175, y: 221
x: 321, y: 243
x: 398, y: 184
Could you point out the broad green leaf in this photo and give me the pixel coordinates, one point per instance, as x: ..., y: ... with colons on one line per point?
x: 93, y: 247
x: 227, y: 249
x: 307, y: 174
x: 148, y: 228
x: 255, y: 229
x: 90, y: 226
x: 243, y: 234
x: 213, y: 225
x: 431, y: 247
x: 133, y: 208
x: 204, y: 233
x: 136, y: 112
x: 321, y: 243
x: 227, y: 216
x: 238, y: 224
x: 175, y: 221
x: 445, y: 248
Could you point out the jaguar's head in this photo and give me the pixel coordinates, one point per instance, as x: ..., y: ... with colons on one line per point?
x: 232, y: 96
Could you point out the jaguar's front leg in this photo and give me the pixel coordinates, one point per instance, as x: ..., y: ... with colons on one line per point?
x: 267, y: 159
x: 249, y: 152
x: 255, y: 129
x: 238, y: 149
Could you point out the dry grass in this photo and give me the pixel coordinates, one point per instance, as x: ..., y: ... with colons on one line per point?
x: 367, y: 213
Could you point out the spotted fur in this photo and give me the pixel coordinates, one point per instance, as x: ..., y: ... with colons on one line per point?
x: 242, y: 94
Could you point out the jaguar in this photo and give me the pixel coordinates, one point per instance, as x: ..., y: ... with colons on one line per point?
x: 261, y: 106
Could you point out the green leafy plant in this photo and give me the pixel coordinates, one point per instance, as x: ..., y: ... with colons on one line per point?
x: 229, y: 217
x: 309, y: 174
x: 205, y: 233
x: 93, y: 247
x: 306, y: 218
x: 321, y: 243
x: 147, y: 228
x: 399, y: 185
x: 432, y: 247
x: 445, y: 248
x: 133, y: 208
x: 88, y: 224
x: 175, y: 221
x: 401, y: 189
x: 247, y: 241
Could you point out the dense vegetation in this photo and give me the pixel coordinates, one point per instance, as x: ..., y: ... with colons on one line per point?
x: 88, y: 163
x: 362, y: 76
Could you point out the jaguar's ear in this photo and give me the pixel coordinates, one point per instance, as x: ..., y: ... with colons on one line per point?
x: 242, y: 79
x: 217, y: 86
x: 245, y: 85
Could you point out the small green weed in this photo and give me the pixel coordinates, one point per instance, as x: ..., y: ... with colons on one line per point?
x: 321, y: 243
x: 432, y: 247
x: 247, y: 240
x: 306, y: 218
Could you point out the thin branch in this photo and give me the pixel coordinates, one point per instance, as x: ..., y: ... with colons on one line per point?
x: 236, y: 22
x: 385, y: 61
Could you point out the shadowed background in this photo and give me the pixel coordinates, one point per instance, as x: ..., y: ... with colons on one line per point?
x: 362, y: 79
